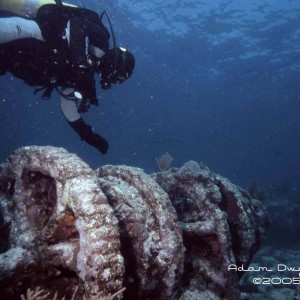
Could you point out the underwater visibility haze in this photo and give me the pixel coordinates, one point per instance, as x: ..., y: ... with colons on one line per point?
x: 215, y: 81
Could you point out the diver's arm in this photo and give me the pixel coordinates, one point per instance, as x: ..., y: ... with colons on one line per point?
x: 84, y: 83
x: 86, y: 35
x: 82, y: 72
x: 86, y: 86
x: 86, y: 133
x: 79, y: 31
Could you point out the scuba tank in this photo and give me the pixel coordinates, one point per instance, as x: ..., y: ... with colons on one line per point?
x: 26, y: 8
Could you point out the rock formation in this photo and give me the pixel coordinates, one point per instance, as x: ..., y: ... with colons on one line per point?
x: 62, y: 231
x: 171, y: 235
x: 221, y: 225
x: 150, y: 232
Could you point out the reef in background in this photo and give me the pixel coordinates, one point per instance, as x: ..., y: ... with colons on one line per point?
x: 171, y: 235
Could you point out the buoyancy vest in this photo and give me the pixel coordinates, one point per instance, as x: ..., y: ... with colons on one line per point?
x: 26, y: 8
x: 49, y: 69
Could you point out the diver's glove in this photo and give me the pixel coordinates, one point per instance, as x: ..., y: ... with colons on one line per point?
x: 86, y: 104
x: 85, y: 86
x: 88, y: 98
x: 87, y: 134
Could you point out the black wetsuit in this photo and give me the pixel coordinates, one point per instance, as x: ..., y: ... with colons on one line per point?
x: 61, y: 61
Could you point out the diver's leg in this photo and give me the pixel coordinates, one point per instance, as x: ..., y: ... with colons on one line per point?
x: 85, y: 131
x: 69, y: 107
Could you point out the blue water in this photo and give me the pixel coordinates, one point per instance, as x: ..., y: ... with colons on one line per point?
x: 215, y: 81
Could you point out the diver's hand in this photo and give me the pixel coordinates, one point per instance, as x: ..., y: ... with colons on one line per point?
x: 86, y: 104
x: 85, y: 85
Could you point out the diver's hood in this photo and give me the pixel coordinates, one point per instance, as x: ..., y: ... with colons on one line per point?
x: 116, y: 66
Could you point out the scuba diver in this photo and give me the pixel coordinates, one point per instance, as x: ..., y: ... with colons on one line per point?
x: 54, y: 45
